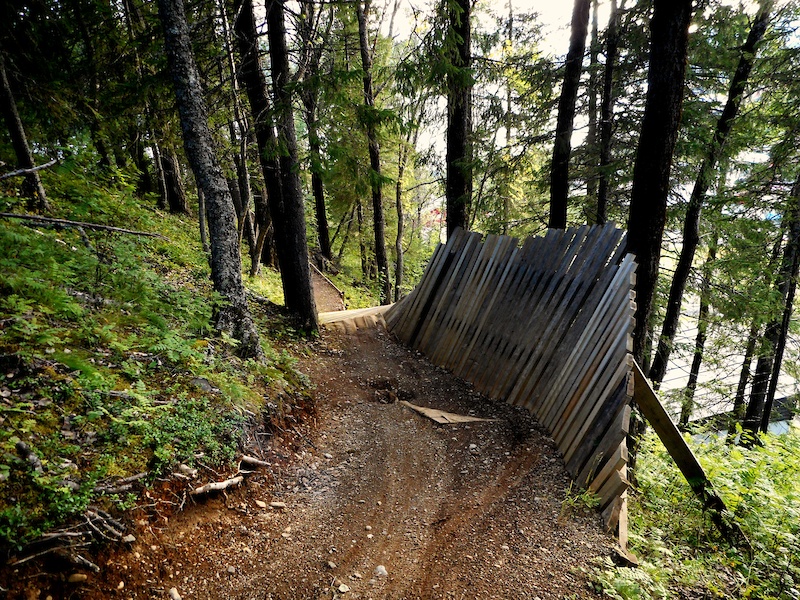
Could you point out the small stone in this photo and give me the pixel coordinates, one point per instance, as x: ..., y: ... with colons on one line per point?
x: 370, y: 536
x: 277, y: 504
x: 261, y: 504
x: 78, y: 578
x: 120, y: 585
x: 368, y: 528
x: 173, y: 594
x: 328, y: 455
x: 129, y: 539
x: 344, y: 588
x: 331, y: 564
x: 357, y: 575
x: 380, y: 571
x: 504, y: 547
x: 232, y: 570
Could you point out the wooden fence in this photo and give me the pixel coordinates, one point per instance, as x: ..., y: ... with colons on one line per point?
x: 545, y: 325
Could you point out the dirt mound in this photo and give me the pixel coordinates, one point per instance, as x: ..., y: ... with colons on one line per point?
x: 380, y: 502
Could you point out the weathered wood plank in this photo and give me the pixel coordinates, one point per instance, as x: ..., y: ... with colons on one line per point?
x: 652, y: 410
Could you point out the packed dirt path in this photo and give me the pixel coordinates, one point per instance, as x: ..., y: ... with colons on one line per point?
x: 374, y: 500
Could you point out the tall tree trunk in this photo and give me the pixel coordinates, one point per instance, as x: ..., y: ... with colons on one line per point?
x: 669, y: 29
x: 362, y: 245
x: 691, y: 225
x: 769, y: 360
x: 607, y: 113
x: 295, y: 269
x: 313, y: 41
x: 398, y: 200
x: 458, y: 159
x: 506, y: 187
x: 376, y: 182
x: 282, y: 181
x: 226, y: 267
x: 317, y: 188
x: 687, y: 405
x: 559, y: 172
x: 594, y: 92
x: 32, y: 187
x: 669, y: 43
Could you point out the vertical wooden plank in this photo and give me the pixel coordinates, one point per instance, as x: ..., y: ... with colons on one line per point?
x: 511, y: 366
x: 485, y: 289
x: 564, y: 309
x: 469, y: 291
x: 445, y: 302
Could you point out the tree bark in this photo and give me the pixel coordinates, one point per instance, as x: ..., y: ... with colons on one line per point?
x: 32, y: 187
x: 312, y: 53
x: 226, y: 268
x: 669, y: 28
x: 691, y: 225
x: 559, y: 171
x: 173, y: 184
x: 594, y: 92
x: 458, y: 159
x: 376, y: 182
x: 648, y: 211
x: 295, y: 270
x: 278, y: 156
x: 607, y: 113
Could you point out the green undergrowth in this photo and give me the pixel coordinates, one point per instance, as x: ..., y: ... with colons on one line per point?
x: 109, y: 364
x: 682, y: 555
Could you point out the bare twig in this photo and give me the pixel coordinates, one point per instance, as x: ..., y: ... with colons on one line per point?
x: 256, y: 462
x: 21, y: 172
x: 68, y: 223
x: 217, y: 485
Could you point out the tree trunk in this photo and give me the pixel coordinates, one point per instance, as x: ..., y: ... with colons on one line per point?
x: 687, y: 406
x: 398, y: 241
x: 278, y: 156
x: 691, y: 225
x: 559, y: 172
x: 668, y: 51
x: 594, y: 92
x: 296, y: 278
x: 607, y: 113
x: 737, y: 414
x: 362, y: 246
x: 458, y: 186
x: 226, y: 268
x: 376, y: 182
x: 669, y: 43
x: 173, y: 182
x: 32, y: 187
x: 769, y: 361
x: 201, y: 218
x: 317, y: 188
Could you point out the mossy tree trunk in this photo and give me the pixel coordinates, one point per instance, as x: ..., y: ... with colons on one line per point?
x: 233, y: 316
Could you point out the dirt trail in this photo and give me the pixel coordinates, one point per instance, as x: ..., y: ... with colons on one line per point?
x: 381, y: 502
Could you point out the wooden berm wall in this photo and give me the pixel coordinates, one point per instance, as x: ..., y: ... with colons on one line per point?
x: 546, y: 325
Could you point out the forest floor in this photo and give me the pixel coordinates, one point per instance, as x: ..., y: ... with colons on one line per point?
x: 363, y: 498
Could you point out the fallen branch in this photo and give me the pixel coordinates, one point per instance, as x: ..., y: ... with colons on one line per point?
x: 254, y: 462
x: 217, y: 486
x: 21, y: 172
x: 79, y: 224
